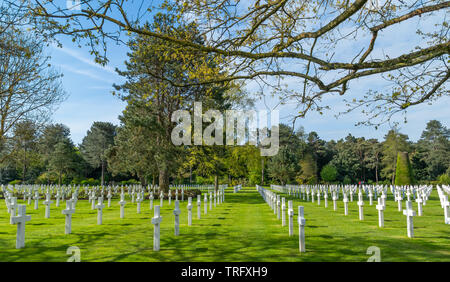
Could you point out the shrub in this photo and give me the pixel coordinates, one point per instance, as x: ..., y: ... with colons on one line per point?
x: 329, y: 173
x: 403, y: 172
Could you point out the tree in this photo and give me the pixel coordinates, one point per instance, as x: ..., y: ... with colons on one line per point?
x: 62, y: 159
x: 346, y: 160
x: 394, y: 142
x: 96, y: 143
x: 328, y: 173
x: 29, y: 87
x: 403, y: 172
x: 431, y: 157
x: 256, y: 38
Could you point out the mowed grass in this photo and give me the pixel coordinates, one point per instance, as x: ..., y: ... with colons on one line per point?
x: 243, y: 228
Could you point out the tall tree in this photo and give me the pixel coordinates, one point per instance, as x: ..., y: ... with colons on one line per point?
x: 96, y: 143
x: 394, y: 142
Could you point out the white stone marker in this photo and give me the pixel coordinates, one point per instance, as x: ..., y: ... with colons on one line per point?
x: 12, y: 208
x: 199, y: 208
x: 410, y: 213
x: 318, y: 197
x: 47, y: 203
x: 151, y: 200
x: 170, y: 197
x: 291, y: 218
x: 370, y: 197
x: 29, y: 197
x: 205, y: 204
x: 419, y: 201
x: 445, y: 205
x: 156, y: 220
x: 57, y: 199
x: 176, y: 213
x: 189, y: 208
x: 301, y: 229
x: 68, y: 213
x: 138, y: 203
x: 345, y: 200
x: 176, y: 194
x: 20, y: 220
x: 325, y: 197
x: 36, y: 200
x: 334, y: 201
x: 312, y: 196
x: 278, y: 207
x: 380, y: 208
x: 182, y: 194
x: 283, y: 211
x: 109, y: 196
x: 360, y: 206
x: 383, y: 198
x: 215, y: 198
x: 93, y: 200
x: 122, y: 205
x: 161, y: 198
x: 210, y: 200
x: 99, y: 208
x: 398, y: 198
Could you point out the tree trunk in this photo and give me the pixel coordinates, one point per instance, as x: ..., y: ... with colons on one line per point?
x: 164, y: 179
x: 59, y: 179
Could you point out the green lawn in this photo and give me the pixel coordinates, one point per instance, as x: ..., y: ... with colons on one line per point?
x: 243, y: 228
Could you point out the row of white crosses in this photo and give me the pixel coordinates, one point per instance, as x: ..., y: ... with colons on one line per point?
x: 237, y: 188
x: 22, y: 218
x: 443, y: 193
x: 419, y: 193
x: 273, y: 200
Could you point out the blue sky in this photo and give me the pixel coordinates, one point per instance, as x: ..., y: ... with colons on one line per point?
x: 89, y: 87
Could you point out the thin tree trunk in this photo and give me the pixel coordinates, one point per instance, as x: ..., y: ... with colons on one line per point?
x: 262, y: 171
x: 216, y: 182
x: 164, y: 179
x: 103, y: 173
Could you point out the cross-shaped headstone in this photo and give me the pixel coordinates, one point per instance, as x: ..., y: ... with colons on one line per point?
x: 419, y: 201
x: 68, y: 212
x: 47, y: 204
x: 205, y: 204
x: 283, y: 211
x: 210, y: 200
x: 410, y: 213
x: 189, y: 208
x: 36, y: 200
x: 20, y: 220
x: 291, y: 218
x: 12, y: 207
x: 156, y: 220
x: 176, y: 213
x: 345, y: 200
x: 380, y: 208
x: 151, y: 200
x: 122, y: 205
x: 398, y: 198
x: 334, y: 197
x: 109, y: 196
x: 99, y: 208
x: 325, y: 197
x: 360, y: 206
x: 301, y: 229
x: 446, y: 205
x: 318, y: 197
x: 161, y: 198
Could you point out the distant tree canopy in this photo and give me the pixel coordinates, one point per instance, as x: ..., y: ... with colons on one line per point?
x: 98, y: 140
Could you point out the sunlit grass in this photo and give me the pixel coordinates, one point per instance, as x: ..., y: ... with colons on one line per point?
x: 243, y: 228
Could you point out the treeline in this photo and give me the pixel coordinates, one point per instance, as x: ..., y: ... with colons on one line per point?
x: 49, y: 156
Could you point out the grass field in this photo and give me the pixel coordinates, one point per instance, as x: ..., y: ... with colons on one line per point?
x: 243, y: 228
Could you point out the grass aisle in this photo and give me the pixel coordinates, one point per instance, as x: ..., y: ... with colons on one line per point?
x: 243, y: 228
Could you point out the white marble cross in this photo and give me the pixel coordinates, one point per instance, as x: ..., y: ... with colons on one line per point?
x: 205, y: 204
x: 68, y: 212
x: 12, y: 207
x: 109, y: 196
x: 283, y: 211
x: 36, y: 200
x: 20, y: 220
x: 383, y: 198
x: 182, y: 194
x: 301, y: 229
x: 419, y: 201
x: 210, y: 200
x: 446, y: 205
x: 278, y: 207
x: 215, y: 198
x: 151, y: 200
x: 345, y: 200
x: 99, y: 208
x: 47, y: 204
x: 291, y: 218
x: 138, y: 203
x: 398, y: 198
x: 380, y: 208
x: 360, y: 206
x: 176, y: 213
x: 325, y: 197
x: 58, y: 196
x: 161, y: 198
x: 189, y: 208
x: 370, y: 197
x: 334, y: 200
x: 156, y: 220
x: 318, y: 197
x: 93, y: 200
x: 122, y: 205
x: 312, y: 196
x: 410, y: 213
x: 170, y: 197
x: 199, y: 204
